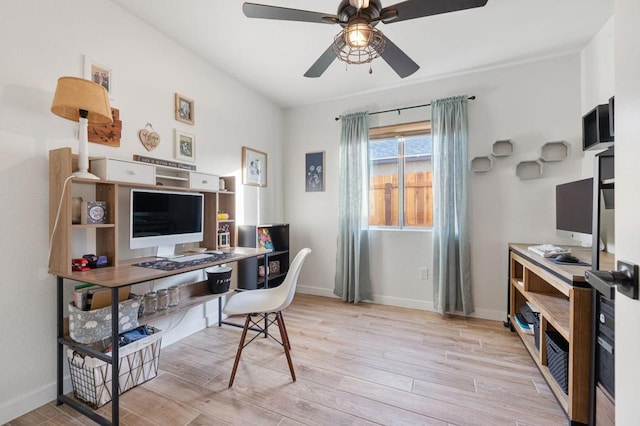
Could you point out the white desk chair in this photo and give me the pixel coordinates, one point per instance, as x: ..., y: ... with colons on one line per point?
x: 262, y: 303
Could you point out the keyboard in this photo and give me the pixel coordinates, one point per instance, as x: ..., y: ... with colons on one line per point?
x: 548, y: 250
x: 191, y: 257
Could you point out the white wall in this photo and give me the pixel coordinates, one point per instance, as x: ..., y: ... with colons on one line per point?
x: 598, y: 81
x: 530, y: 103
x: 627, y: 90
x: 41, y: 41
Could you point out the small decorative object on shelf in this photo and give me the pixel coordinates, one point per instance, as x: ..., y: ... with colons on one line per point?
x: 174, y: 296
x: 224, y: 240
x: 93, y: 212
x: 150, y: 302
x: 163, y: 299
x: 274, y: 267
x: 222, y: 215
x: 76, y: 210
x: 264, y: 239
x: 80, y: 264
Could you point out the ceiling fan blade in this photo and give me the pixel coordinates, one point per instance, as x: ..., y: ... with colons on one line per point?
x: 398, y: 60
x: 412, y: 9
x: 253, y: 10
x: 321, y: 65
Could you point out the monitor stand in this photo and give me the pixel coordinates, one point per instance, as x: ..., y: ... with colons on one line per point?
x: 167, y: 251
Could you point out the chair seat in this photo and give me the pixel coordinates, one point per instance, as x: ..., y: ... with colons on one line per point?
x: 253, y: 301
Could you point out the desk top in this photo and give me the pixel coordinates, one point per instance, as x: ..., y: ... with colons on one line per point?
x: 572, y: 273
x: 127, y: 274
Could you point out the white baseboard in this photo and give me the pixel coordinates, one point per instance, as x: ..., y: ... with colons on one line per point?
x: 424, y: 305
x: 14, y: 408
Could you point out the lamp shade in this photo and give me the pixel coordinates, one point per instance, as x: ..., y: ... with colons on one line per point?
x: 74, y: 94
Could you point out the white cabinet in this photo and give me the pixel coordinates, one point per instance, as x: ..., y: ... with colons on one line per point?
x: 123, y: 171
x: 112, y: 169
x: 204, y: 181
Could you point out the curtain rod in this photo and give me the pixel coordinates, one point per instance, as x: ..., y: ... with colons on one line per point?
x: 402, y: 109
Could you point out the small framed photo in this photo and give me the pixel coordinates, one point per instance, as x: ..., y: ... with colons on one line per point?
x: 254, y: 167
x: 314, y: 171
x: 185, y: 146
x: 184, y: 109
x: 99, y: 73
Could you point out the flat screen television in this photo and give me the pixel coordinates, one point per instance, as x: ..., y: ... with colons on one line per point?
x: 574, y: 210
x: 163, y: 219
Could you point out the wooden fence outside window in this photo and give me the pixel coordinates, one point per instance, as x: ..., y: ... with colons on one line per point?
x: 418, y: 199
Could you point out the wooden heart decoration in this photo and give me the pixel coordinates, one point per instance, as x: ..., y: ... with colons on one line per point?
x: 149, y: 138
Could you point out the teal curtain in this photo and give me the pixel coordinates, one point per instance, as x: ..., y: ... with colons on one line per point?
x: 353, y: 281
x: 451, y: 245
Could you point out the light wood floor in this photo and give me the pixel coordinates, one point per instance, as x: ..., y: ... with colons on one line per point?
x: 356, y: 365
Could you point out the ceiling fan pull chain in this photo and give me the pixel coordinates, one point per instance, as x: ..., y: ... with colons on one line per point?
x: 370, y: 70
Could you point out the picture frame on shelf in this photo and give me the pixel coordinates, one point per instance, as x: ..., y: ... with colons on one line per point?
x: 185, y: 109
x: 185, y: 146
x: 99, y: 73
x: 254, y: 167
x: 314, y: 171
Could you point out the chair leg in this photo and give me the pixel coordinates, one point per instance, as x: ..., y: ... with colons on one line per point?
x: 286, y: 333
x: 285, y: 345
x: 240, y: 347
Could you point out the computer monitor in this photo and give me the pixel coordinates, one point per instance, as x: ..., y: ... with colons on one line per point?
x: 574, y: 210
x: 163, y: 219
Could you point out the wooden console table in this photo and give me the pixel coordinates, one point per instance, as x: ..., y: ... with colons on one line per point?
x: 115, y: 277
x: 564, y: 299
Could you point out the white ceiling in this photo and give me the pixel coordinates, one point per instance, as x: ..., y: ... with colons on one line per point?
x: 272, y: 56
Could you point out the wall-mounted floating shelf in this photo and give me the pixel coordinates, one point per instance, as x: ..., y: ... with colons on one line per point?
x: 529, y: 169
x: 554, y: 151
x: 502, y: 148
x: 481, y: 164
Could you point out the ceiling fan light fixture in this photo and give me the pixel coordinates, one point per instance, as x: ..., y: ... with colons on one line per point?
x: 358, y: 33
x: 353, y: 49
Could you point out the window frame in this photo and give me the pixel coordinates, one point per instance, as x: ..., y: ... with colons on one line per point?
x: 400, y: 131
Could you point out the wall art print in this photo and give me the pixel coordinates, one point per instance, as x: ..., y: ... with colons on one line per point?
x: 254, y: 167
x: 314, y: 171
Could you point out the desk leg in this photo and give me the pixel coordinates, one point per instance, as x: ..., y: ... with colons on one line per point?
x: 115, y: 359
x: 60, y: 332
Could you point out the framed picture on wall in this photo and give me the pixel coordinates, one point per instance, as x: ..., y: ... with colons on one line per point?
x: 185, y: 146
x: 254, y: 167
x: 185, y: 109
x: 314, y: 171
x: 101, y: 74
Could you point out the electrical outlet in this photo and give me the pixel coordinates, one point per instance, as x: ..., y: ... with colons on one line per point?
x: 424, y: 273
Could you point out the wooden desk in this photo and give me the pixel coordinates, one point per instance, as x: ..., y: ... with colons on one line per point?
x: 115, y: 277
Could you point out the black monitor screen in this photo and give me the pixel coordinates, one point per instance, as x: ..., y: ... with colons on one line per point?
x: 157, y: 213
x: 574, y: 206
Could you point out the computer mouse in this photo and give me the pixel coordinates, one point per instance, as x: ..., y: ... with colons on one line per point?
x: 567, y: 258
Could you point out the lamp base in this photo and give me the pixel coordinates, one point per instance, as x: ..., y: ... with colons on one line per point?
x: 85, y: 175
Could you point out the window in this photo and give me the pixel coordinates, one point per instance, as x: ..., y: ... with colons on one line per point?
x: 400, y: 158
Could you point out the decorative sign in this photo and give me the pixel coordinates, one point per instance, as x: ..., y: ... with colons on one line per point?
x: 149, y: 138
x: 160, y: 162
x: 107, y: 134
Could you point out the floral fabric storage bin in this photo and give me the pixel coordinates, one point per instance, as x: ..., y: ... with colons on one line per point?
x: 92, y: 326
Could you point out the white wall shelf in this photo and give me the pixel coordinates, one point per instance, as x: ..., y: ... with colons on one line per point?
x: 529, y: 170
x: 503, y: 148
x: 554, y: 151
x: 481, y: 164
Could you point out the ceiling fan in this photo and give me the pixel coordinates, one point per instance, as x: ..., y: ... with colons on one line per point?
x: 359, y: 41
